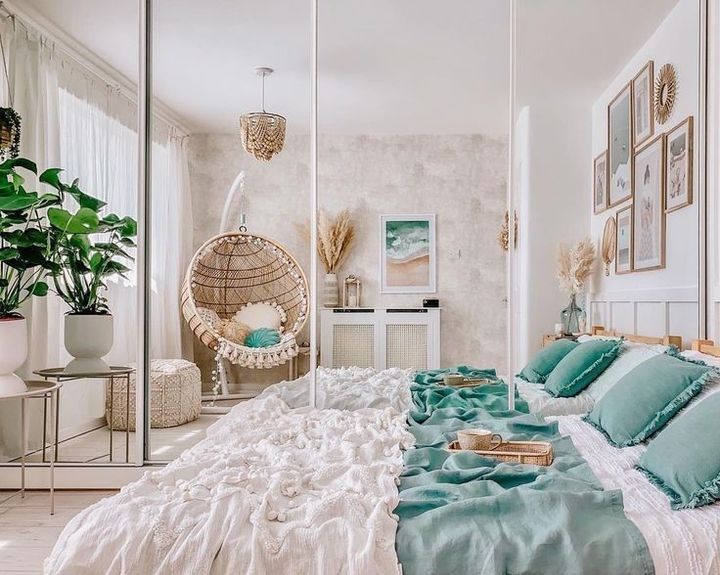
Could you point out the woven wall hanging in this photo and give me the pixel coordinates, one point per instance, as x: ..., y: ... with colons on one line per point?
x: 607, y: 247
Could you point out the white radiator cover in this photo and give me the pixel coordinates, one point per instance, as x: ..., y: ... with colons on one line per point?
x: 380, y: 338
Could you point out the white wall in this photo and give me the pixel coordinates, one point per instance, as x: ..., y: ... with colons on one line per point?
x: 661, y: 301
x: 553, y: 208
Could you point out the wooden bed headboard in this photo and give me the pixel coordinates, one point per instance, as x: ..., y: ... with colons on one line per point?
x: 675, y: 340
x: 706, y: 346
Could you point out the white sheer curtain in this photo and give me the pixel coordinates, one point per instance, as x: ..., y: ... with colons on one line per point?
x: 73, y: 119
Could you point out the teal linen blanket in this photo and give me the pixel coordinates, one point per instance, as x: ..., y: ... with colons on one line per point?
x: 463, y: 513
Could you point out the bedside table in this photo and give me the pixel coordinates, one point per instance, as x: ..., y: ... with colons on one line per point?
x: 550, y: 338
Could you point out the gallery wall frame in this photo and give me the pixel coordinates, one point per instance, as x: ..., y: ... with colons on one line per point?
x: 620, y: 147
x: 679, y: 152
x: 623, y: 241
x: 648, y: 208
x: 642, y: 98
x: 600, y: 187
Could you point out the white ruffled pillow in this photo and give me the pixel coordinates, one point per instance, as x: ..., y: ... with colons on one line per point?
x: 631, y: 355
x: 257, y: 315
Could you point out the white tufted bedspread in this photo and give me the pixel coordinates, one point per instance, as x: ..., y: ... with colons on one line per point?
x: 271, y: 490
x: 685, y: 542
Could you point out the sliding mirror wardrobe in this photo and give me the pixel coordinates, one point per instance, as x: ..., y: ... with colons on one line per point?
x: 68, y: 282
x: 412, y: 176
x: 608, y: 168
x: 228, y: 213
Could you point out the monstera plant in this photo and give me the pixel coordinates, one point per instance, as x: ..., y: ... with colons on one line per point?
x: 88, y: 248
x: 26, y: 255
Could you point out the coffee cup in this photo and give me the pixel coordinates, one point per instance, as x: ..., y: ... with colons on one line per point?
x: 478, y: 439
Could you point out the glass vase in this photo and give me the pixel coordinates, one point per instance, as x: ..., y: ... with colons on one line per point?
x: 573, y: 317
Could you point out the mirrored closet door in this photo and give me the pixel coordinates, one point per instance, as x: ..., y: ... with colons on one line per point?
x: 608, y: 160
x: 412, y: 173
x: 229, y: 212
x: 68, y: 134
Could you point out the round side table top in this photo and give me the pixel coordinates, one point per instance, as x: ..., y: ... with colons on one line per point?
x: 61, y: 373
x: 35, y: 388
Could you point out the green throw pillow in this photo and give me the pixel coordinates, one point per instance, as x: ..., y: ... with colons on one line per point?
x: 682, y: 460
x: 645, y: 399
x: 546, y: 359
x: 581, y: 367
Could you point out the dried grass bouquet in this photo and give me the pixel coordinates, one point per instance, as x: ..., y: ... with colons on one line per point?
x: 335, y: 238
x: 575, y: 266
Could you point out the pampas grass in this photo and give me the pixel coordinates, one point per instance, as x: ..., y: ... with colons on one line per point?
x: 574, y: 266
x: 335, y: 238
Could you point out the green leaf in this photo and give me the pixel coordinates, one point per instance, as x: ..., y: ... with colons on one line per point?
x: 83, y: 199
x: 40, y: 289
x: 26, y: 238
x: 4, y: 283
x: 8, y: 254
x: 85, y: 221
x: 51, y: 176
x: 129, y: 228
x: 96, y: 262
x: 13, y: 163
x: 17, y: 202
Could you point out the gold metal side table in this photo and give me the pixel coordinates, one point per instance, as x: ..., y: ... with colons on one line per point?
x: 43, y: 390
x: 59, y: 374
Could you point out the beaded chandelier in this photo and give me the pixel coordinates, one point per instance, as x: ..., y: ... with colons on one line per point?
x: 263, y: 134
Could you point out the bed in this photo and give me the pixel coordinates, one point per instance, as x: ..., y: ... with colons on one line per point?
x: 335, y: 490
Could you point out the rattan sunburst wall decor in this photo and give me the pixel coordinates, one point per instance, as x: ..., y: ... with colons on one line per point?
x: 608, y: 243
x: 665, y: 92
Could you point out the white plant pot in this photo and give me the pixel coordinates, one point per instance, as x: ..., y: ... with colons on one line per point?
x: 330, y: 291
x: 13, y: 353
x: 88, y: 338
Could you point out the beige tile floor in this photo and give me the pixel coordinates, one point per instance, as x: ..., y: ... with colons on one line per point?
x: 28, y: 531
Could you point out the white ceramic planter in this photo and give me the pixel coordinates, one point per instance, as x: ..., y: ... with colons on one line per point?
x: 88, y: 338
x: 330, y: 291
x: 13, y: 353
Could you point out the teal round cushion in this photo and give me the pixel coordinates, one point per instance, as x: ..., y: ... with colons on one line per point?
x: 262, y: 337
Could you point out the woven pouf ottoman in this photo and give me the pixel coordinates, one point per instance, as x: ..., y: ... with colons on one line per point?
x: 175, y: 389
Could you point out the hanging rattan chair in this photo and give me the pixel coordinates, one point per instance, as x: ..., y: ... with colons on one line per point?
x: 234, y: 269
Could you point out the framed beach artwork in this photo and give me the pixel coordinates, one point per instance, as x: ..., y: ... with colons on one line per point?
x: 679, y: 166
x: 600, y: 197
x: 648, y: 245
x: 408, y: 253
x: 620, y: 145
x: 643, y: 115
x: 623, y: 241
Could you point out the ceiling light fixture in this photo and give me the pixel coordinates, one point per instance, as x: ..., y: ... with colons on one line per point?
x: 263, y: 134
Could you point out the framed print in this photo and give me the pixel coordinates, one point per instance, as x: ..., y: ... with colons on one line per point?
x: 648, y: 245
x: 623, y: 241
x: 600, y: 197
x: 643, y: 115
x: 679, y: 166
x: 620, y: 145
x: 408, y: 253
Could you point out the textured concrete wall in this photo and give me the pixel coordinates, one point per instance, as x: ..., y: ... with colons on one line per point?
x: 459, y: 178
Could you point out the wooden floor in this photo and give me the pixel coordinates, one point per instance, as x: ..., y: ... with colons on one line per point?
x: 28, y: 531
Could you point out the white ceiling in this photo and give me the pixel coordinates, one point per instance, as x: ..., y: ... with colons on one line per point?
x: 400, y: 66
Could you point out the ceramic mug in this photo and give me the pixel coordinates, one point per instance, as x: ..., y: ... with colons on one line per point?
x: 453, y: 379
x: 478, y: 439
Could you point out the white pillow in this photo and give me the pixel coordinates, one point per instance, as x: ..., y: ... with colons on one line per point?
x: 631, y: 355
x: 257, y: 315
x: 587, y: 337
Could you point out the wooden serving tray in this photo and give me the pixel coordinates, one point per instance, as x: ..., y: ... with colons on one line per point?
x: 470, y: 382
x: 530, y: 452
